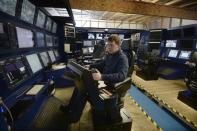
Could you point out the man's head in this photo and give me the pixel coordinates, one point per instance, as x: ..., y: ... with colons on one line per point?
x: 114, y: 44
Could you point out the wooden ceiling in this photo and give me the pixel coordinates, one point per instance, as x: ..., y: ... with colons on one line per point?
x: 138, y: 11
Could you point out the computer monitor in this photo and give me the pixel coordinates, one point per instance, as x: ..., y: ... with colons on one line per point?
x: 48, y: 24
x: 67, y: 48
x: 88, y: 43
x: 85, y: 50
x: 99, y: 36
x: 25, y: 38
x: 49, y: 40
x: 186, y: 44
x: 1, y: 28
x: 52, y: 56
x: 171, y: 43
x: 56, y: 53
x: 40, y: 39
x: 121, y: 36
x: 173, y: 53
x: 45, y: 58
x: 40, y: 19
x: 90, y: 49
x: 28, y: 11
x: 54, y: 29
x: 185, y: 55
x: 196, y: 44
x: 91, y: 36
x: 8, y: 6
x: 34, y: 62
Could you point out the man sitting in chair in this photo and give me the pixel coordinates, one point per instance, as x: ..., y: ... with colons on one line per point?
x: 114, y: 67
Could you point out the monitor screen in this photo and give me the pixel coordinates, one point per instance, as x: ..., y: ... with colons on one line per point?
x: 49, y: 40
x: 55, y: 41
x: 173, y: 53
x: 45, y: 58
x: 85, y: 50
x: 91, y: 36
x: 67, y: 48
x: 121, y: 36
x: 34, y: 62
x: 196, y: 45
x: 99, y: 36
x: 56, y: 53
x: 40, y: 19
x: 186, y: 44
x: 28, y: 10
x: 54, y: 29
x: 88, y: 43
x: 52, y: 56
x: 27, y: 41
x: 171, y: 43
x: 48, y: 24
x: 1, y: 28
x: 185, y: 54
x: 40, y: 39
x: 90, y: 49
x: 8, y: 6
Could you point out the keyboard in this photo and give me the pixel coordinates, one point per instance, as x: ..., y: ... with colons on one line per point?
x: 34, y: 90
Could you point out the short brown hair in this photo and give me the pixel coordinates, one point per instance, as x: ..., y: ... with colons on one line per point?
x: 115, y: 38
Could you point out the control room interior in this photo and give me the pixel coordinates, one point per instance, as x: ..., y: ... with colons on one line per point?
x: 47, y: 48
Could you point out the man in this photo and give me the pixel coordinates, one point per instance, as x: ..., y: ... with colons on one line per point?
x: 114, y: 67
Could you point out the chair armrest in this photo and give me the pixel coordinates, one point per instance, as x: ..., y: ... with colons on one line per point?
x: 123, y: 86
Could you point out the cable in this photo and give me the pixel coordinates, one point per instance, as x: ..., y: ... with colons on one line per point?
x: 9, y: 112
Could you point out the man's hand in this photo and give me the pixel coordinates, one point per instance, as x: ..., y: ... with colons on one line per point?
x: 96, y: 76
x: 87, y: 66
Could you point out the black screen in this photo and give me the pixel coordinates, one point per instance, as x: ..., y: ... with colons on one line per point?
x: 186, y: 44
x: 189, y: 32
x: 155, y: 35
x: 176, y: 33
x: 4, y: 41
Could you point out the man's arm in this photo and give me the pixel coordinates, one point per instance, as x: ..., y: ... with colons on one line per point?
x: 121, y: 73
x: 99, y: 65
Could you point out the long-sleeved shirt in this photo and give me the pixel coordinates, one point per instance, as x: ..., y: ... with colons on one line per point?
x: 113, y: 68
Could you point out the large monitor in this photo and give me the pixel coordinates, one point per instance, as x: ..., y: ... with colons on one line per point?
x: 28, y: 11
x: 45, y: 58
x: 8, y: 6
x: 54, y: 29
x: 40, y: 19
x: 34, y: 62
x: 186, y: 44
x: 185, y: 55
x: 40, y: 39
x: 52, y: 56
x: 56, y: 53
x: 99, y: 36
x: 25, y: 38
x: 173, y: 53
x: 91, y: 36
x: 88, y: 43
x: 48, y: 24
x: 171, y: 43
x: 4, y: 39
x: 67, y: 48
x: 49, y: 40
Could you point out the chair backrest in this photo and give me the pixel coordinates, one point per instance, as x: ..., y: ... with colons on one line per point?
x: 131, y: 60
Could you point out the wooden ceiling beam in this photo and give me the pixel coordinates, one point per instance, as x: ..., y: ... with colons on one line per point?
x: 134, y: 7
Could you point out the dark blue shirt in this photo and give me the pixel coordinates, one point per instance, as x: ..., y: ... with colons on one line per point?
x: 114, y: 67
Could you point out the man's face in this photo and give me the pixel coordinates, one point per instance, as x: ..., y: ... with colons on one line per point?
x: 112, y: 47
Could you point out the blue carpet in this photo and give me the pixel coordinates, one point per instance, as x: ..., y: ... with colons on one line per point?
x: 160, y: 116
